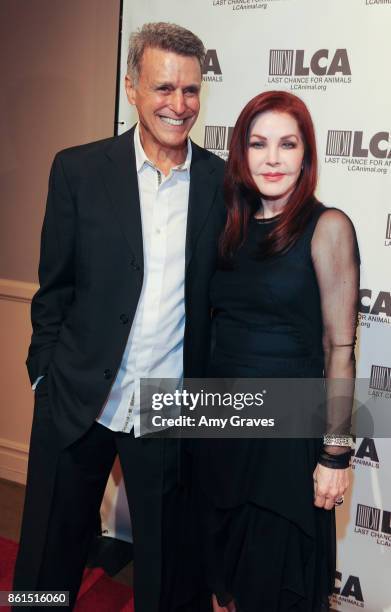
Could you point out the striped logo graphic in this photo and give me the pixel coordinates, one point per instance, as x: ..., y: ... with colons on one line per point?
x: 215, y: 137
x: 368, y: 517
x: 338, y: 143
x: 281, y: 62
x: 388, y: 230
x: 380, y: 378
x: 229, y: 137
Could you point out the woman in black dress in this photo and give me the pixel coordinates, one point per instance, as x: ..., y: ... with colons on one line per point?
x: 284, y: 305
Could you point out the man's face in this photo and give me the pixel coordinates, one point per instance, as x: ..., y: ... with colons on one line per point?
x: 167, y: 98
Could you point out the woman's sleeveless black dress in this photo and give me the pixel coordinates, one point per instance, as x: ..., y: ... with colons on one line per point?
x: 266, y: 545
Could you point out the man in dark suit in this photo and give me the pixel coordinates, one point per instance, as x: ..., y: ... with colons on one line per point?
x: 129, y: 243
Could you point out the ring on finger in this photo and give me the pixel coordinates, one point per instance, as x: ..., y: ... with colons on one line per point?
x: 339, y: 501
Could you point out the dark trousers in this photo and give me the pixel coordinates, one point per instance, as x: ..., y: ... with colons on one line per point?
x: 64, y: 491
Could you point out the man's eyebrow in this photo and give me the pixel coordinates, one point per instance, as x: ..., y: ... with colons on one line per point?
x: 164, y: 84
x: 168, y: 84
x: 194, y: 86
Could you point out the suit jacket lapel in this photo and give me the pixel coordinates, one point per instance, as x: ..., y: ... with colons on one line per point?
x: 202, y: 191
x: 120, y: 177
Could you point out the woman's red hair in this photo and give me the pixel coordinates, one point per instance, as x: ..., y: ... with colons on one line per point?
x: 242, y: 196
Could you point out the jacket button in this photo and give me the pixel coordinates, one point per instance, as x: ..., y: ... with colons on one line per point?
x: 107, y: 374
x: 134, y: 265
x: 124, y: 318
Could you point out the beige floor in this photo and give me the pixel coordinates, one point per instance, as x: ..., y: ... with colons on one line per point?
x: 11, y: 507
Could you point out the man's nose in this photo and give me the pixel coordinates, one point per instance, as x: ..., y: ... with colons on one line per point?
x: 178, y: 102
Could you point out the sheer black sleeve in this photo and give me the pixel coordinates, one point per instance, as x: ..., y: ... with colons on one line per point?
x: 336, y: 261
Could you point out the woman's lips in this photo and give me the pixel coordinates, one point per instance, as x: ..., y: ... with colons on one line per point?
x: 273, y: 177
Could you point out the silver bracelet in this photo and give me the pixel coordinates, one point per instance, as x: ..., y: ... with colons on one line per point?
x: 338, y: 440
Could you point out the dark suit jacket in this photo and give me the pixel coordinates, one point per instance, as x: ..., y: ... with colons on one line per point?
x: 91, y: 274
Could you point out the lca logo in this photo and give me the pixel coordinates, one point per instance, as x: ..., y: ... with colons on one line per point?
x: 374, y: 307
x: 348, y: 590
x: 380, y: 378
x: 366, y: 454
x: 374, y: 523
x: 211, y: 69
x: 218, y: 138
x: 375, y: 303
x: 373, y: 519
x: 359, y: 152
x: 379, y: 387
x: 348, y: 143
x: 295, y: 62
x: 368, y: 517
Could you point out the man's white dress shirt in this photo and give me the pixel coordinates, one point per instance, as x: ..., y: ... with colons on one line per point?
x: 155, y: 344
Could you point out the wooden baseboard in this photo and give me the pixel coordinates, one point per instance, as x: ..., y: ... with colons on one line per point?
x: 13, y: 460
x: 15, y: 296
x: 16, y: 291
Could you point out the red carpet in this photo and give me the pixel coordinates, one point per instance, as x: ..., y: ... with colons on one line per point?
x: 98, y: 592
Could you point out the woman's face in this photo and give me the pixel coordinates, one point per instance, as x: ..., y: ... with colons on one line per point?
x: 275, y: 154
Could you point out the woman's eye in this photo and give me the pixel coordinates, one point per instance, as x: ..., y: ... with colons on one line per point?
x: 257, y: 145
x: 289, y: 145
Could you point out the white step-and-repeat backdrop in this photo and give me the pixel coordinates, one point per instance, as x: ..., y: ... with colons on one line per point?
x: 335, y: 55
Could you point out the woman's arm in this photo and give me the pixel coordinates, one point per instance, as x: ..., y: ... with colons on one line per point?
x: 336, y: 262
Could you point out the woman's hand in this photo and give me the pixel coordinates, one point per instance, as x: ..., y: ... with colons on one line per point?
x: 329, y: 485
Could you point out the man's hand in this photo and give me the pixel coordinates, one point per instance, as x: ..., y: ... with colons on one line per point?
x: 329, y: 485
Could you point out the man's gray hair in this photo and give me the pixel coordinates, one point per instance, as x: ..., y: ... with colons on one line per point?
x: 162, y: 35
